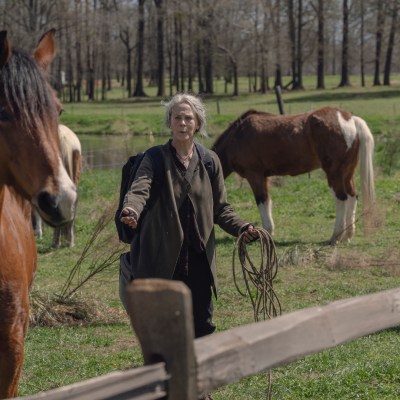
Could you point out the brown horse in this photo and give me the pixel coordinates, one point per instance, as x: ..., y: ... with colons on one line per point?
x: 71, y: 154
x: 259, y: 145
x: 31, y: 171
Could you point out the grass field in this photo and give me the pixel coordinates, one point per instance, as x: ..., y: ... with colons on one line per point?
x: 95, y: 337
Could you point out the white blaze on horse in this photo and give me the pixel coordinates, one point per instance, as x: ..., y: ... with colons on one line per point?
x: 259, y: 145
x: 71, y: 153
x: 31, y: 172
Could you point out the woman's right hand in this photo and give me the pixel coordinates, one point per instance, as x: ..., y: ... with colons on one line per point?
x: 129, y: 216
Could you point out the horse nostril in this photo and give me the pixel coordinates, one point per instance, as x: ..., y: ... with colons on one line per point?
x: 48, y: 205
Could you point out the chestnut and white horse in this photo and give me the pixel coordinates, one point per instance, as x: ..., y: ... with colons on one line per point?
x: 259, y: 145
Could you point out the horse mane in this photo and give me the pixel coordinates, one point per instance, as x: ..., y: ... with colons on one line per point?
x: 25, y: 89
x: 235, y: 124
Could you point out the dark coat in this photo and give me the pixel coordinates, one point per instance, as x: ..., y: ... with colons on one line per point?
x: 155, y: 250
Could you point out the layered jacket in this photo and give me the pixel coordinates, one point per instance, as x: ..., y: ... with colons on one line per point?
x: 156, y: 247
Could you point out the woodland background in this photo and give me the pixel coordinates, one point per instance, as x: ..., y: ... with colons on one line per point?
x: 176, y: 45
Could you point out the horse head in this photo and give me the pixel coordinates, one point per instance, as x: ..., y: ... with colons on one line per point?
x: 30, y: 158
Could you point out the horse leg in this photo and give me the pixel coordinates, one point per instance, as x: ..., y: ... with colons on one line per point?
x: 56, y: 237
x: 350, y: 227
x: 340, y: 221
x: 69, y: 234
x: 351, y: 208
x: 260, y: 185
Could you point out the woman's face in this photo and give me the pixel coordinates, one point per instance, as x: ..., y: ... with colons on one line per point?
x: 183, y: 122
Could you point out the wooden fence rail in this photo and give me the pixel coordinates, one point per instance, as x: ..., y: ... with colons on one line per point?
x: 179, y: 367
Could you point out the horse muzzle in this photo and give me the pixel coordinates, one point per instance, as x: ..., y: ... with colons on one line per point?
x: 56, y: 210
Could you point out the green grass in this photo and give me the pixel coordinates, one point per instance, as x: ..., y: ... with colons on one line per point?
x: 310, y: 274
x: 379, y: 106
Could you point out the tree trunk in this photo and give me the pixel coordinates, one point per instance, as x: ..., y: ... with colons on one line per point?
x: 299, y: 47
x: 176, y: 54
x: 362, y: 60
x: 277, y: 29
x: 292, y: 38
x: 321, y: 46
x: 180, y: 56
x: 199, y: 70
x: 129, y: 72
x: 345, y: 81
x: 124, y: 35
x: 378, y: 41
x: 389, y: 51
x: 208, y: 66
x: 160, y: 48
x: 266, y: 33
x: 78, y: 39
x: 190, y: 56
x: 139, y: 92
x: 89, y: 56
x: 69, y: 67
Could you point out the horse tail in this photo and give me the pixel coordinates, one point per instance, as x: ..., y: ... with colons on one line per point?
x: 366, y: 151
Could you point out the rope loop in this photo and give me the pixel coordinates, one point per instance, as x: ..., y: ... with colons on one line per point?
x: 258, y: 279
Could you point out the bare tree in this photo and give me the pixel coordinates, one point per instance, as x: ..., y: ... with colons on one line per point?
x: 126, y: 37
x: 345, y: 80
x: 160, y: 47
x: 292, y: 38
x: 139, y: 91
x: 207, y: 22
x: 380, y: 20
x: 193, y: 42
x: 394, y: 10
x: 299, y: 47
x: 78, y: 39
x: 126, y: 34
x: 362, y: 44
x: 231, y: 46
x: 321, y: 46
x: 264, y: 44
x: 90, y: 51
x: 276, y: 23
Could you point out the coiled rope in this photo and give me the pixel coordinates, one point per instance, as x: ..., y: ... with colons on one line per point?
x: 258, y: 279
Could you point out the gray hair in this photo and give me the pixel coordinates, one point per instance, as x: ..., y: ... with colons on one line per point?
x: 195, y: 104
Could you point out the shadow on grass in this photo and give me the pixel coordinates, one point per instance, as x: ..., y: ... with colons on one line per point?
x: 227, y: 240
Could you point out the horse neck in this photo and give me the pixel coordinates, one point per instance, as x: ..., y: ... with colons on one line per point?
x: 226, y: 167
x: 8, y: 195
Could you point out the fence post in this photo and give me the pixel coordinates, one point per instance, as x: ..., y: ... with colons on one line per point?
x: 161, y: 315
x: 278, y: 94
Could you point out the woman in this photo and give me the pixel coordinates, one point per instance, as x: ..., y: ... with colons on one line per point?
x: 176, y: 238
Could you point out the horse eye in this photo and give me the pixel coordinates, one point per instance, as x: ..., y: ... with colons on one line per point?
x: 60, y: 112
x: 4, y: 115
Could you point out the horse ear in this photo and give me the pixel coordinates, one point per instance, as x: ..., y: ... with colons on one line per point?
x: 46, y: 49
x: 5, y: 49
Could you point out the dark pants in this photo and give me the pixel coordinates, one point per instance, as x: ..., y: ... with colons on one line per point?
x: 199, y: 282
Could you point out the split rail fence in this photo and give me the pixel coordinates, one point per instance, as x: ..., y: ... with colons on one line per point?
x: 179, y: 367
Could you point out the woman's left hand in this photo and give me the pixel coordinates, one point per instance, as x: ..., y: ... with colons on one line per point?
x: 250, y: 234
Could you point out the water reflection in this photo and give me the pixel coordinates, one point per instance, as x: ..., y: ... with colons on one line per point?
x: 112, y: 151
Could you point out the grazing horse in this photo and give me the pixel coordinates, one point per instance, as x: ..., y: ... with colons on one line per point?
x: 72, y: 159
x: 31, y: 172
x: 259, y: 145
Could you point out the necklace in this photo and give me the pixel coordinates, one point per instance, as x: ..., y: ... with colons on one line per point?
x: 185, y: 158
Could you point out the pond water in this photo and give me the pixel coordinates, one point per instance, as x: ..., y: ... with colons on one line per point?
x: 112, y: 151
